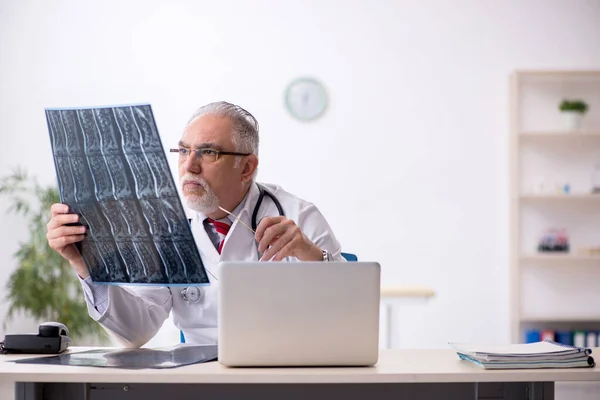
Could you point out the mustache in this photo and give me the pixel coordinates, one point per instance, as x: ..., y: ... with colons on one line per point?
x: 191, y: 178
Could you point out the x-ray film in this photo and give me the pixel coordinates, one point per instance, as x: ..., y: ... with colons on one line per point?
x: 169, y: 357
x: 112, y: 171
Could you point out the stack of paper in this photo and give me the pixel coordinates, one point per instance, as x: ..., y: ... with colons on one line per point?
x: 546, y: 354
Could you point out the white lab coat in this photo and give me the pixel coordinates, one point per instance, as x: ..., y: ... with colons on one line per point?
x: 135, y: 313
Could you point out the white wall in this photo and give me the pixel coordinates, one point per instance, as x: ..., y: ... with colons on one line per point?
x: 410, y: 163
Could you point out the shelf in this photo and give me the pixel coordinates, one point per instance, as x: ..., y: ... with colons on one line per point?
x: 584, y: 319
x: 563, y: 258
x: 567, y: 73
x: 560, y: 135
x: 577, y: 197
x: 545, y: 154
x: 558, y: 76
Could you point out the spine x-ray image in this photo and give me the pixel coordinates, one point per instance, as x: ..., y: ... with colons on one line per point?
x: 112, y: 171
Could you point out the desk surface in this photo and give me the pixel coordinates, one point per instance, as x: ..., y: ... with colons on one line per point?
x: 400, y: 366
x: 406, y: 291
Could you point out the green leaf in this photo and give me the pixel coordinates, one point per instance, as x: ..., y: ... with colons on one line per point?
x: 573, y: 105
x: 43, y: 285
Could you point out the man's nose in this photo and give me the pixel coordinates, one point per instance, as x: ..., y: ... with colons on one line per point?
x: 193, y: 163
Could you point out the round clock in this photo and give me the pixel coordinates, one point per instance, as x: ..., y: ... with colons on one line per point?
x: 306, y: 99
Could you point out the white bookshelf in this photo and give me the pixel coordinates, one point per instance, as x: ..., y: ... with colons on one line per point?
x: 557, y: 320
x: 558, y: 135
x: 563, y: 259
x: 553, y: 290
x: 572, y: 198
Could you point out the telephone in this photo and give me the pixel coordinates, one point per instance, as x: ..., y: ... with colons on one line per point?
x: 52, y: 338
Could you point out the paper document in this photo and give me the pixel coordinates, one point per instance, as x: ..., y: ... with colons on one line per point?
x: 112, y: 171
x: 546, y: 354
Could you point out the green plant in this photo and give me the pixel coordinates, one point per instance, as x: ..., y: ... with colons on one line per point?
x: 579, y: 106
x: 44, y: 285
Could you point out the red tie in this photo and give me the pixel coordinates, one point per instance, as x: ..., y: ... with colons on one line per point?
x: 222, y: 229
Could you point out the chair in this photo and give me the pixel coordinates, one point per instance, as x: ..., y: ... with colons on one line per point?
x: 350, y: 256
x: 347, y: 256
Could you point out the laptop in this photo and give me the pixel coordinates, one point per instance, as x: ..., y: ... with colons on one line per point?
x: 299, y: 313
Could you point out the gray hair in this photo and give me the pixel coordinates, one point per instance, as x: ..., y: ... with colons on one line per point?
x: 245, y: 126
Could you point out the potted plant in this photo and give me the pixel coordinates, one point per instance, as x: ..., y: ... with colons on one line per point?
x: 44, y: 285
x: 573, y: 111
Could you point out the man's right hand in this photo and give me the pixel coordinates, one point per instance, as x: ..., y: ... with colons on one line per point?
x: 62, y: 238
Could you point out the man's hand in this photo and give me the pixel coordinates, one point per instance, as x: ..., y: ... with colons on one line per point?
x: 279, y: 237
x: 62, y: 238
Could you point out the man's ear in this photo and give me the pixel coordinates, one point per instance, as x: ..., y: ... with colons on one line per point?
x: 249, y: 164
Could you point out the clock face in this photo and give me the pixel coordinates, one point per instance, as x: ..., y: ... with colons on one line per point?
x: 306, y: 99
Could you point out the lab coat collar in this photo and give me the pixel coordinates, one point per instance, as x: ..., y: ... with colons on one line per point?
x: 244, y: 210
x: 240, y: 234
x: 240, y: 207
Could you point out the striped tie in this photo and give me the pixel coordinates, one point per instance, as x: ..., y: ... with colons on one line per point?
x: 222, y: 229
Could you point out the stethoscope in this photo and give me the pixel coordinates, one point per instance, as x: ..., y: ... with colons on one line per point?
x: 192, y: 294
x: 262, y: 192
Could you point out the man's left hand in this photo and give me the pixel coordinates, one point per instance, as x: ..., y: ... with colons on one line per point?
x: 280, y: 237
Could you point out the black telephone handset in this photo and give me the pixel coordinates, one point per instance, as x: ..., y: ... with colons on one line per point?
x: 52, y: 338
x: 53, y: 329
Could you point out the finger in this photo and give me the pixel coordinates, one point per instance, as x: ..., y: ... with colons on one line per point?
x: 65, y: 231
x: 62, y: 219
x: 63, y: 241
x: 279, y: 244
x: 264, y: 224
x: 58, y: 208
x: 286, y: 251
x: 271, y: 235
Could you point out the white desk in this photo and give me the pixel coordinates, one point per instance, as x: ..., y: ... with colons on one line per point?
x: 394, y: 295
x: 399, y: 374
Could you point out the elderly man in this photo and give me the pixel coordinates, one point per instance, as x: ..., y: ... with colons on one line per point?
x: 218, y: 159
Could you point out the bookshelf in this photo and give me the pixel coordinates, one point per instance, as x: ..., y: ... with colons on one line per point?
x: 553, y: 169
x: 581, y: 197
x: 559, y: 135
x: 563, y: 259
x: 553, y: 320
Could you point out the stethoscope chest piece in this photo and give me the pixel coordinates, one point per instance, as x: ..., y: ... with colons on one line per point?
x: 191, y: 294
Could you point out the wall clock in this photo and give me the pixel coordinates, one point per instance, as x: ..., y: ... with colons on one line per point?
x: 306, y: 99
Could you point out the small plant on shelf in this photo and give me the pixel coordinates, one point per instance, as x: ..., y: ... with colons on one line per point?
x: 578, y: 106
x: 573, y: 111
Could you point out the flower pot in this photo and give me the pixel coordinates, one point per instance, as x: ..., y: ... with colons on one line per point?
x: 572, y: 120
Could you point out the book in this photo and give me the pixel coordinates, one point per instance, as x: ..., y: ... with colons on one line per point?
x: 590, y: 340
x: 543, y: 354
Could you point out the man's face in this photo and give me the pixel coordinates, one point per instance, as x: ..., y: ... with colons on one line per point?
x: 207, y: 183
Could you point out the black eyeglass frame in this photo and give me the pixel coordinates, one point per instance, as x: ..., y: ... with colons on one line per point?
x: 199, y: 152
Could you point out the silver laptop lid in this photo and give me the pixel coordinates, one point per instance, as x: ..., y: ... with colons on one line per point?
x: 299, y: 313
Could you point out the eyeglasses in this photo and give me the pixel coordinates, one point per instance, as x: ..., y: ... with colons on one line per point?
x: 205, y: 154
